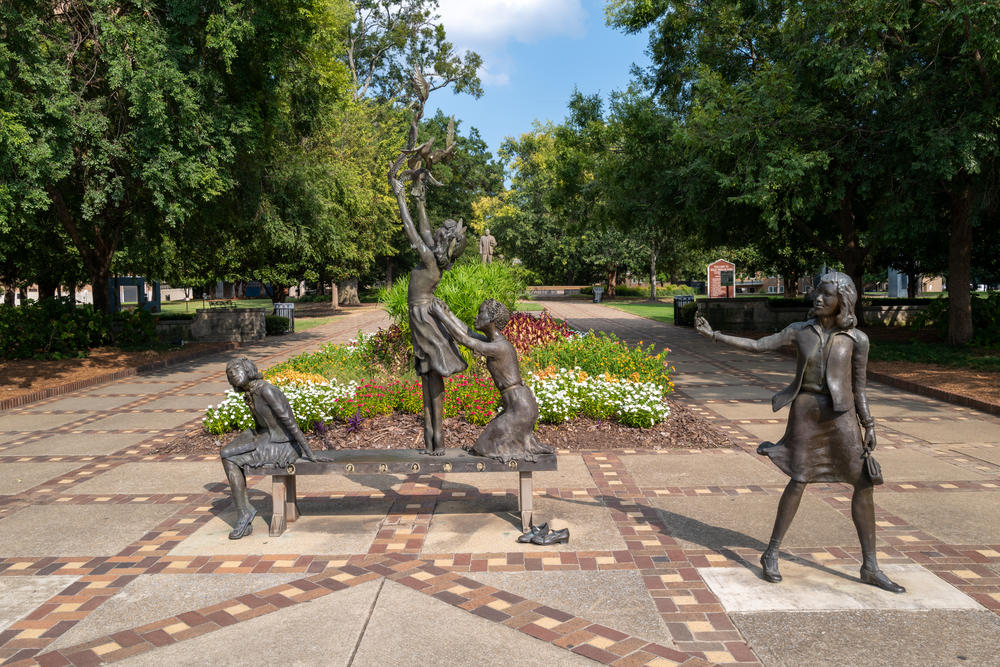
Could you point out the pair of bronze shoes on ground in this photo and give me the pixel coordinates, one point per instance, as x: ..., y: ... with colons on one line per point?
x: 877, y: 578
x: 543, y: 536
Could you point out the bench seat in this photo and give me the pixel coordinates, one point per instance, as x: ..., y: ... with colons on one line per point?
x: 391, y: 462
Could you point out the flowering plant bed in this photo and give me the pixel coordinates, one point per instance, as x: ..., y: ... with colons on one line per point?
x: 572, y: 375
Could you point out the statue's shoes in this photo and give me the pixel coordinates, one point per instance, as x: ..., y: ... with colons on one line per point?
x: 764, y: 446
x: 532, y: 532
x: 552, y: 537
x: 244, y: 525
x: 878, y: 578
x: 769, y: 565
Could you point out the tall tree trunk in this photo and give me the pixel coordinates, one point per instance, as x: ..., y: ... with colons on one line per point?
x: 612, y: 290
x: 46, y: 289
x: 960, y: 264
x: 349, y: 292
x: 334, y: 295
x: 8, y: 296
x: 653, y: 251
x: 912, y: 285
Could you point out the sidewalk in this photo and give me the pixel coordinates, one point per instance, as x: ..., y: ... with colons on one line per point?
x: 109, y: 554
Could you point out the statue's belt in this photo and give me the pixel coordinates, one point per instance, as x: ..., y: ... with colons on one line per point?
x: 513, y: 386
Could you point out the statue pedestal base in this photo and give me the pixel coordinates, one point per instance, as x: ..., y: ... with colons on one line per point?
x: 392, y: 462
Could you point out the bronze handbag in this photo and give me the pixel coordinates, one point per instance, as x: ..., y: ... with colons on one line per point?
x: 872, y: 468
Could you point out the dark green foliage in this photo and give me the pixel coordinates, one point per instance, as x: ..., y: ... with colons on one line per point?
x: 275, y: 325
x: 52, y: 328
x: 985, y: 318
x: 133, y: 329
x: 463, y: 288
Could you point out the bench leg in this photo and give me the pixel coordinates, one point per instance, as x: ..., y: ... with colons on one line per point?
x: 524, y: 499
x: 278, y: 504
x: 291, y: 499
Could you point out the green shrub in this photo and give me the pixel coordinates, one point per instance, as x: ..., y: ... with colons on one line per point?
x: 600, y: 353
x: 51, y: 328
x: 684, y: 315
x: 331, y: 361
x: 463, y: 287
x: 134, y: 329
x: 275, y: 325
x: 985, y: 318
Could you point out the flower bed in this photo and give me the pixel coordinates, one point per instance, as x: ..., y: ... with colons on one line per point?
x: 572, y: 375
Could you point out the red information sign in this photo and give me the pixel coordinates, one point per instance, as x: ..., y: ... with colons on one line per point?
x: 721, y: 279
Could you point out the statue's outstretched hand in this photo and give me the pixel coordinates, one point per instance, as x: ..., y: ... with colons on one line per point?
x: 702, y: 326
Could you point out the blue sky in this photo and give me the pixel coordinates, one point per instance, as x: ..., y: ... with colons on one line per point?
x: 535, y: 53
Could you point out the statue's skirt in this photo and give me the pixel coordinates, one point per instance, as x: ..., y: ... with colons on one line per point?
x: 820, y: 444
x: 433, y: 348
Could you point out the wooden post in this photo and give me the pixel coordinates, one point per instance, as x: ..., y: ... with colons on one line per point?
x: 278, y: 505
x: 524, y: 499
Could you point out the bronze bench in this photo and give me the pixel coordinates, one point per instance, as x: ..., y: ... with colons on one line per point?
x: 284, y: 501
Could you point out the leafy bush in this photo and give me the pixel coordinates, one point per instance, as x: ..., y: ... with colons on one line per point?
x: 525, y: 331
x: 985, y: 318
x: 133, y: 329
x: 275, y: 325
x: 684, y: 315
x: 51, y: 328
x: 604, y: 353
x: 313, y: 298
x: 463, y: 287
x: 389, y: 348
x: 345, y: 362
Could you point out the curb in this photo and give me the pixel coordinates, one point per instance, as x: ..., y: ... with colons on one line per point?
x: 931, y: 392
x: 41, y: 394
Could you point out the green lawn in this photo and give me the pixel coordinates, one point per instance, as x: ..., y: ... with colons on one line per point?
x: 195, y: 304
x: 962, y: 356
x: 530, y: 306
x: 307, y: 323
x: 659, y: 311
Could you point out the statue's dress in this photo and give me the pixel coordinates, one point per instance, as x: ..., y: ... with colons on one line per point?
x: 511, y: 434
x: 820, y: 444
x: 433, y: 348
x: 270, y: 442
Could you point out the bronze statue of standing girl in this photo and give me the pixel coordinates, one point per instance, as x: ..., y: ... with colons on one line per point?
x: 830, y: 431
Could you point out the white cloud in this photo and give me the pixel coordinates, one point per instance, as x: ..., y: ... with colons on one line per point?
x: 479, y: 24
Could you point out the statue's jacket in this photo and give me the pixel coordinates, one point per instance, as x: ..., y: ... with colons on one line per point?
x: 845, y: 363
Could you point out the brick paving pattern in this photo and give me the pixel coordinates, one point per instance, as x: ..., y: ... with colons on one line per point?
x: 939, y: 449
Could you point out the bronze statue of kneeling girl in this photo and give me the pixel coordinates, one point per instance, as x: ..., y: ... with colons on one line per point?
x: 823, y: 441
x: 511, y: 434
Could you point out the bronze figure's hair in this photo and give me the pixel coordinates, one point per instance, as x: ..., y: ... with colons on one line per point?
x: 847, y: 295
x: 497, y: 312
x: 449, y: 243
x: 249, y: 367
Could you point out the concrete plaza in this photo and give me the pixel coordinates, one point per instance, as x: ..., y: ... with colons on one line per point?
x: 111, y: 554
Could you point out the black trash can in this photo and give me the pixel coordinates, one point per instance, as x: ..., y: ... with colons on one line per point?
x: 683, y: 317
x: 286, y: 310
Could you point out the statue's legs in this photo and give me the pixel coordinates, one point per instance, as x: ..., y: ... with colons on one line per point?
x: 863, y: 513
x: 787, y: 507
x: 245, y: 511
x: 433, y: 385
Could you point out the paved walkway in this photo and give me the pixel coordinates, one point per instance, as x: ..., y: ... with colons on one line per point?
x: 110, y: 554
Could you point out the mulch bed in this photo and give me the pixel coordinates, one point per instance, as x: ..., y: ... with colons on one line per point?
x: 682, y: 430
